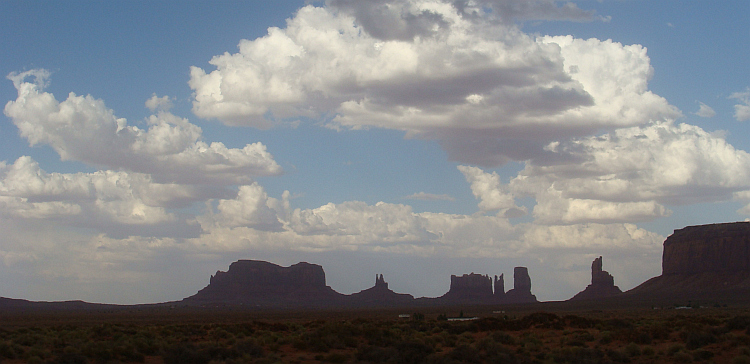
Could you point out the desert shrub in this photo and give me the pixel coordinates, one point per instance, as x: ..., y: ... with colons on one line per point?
x: 698, y: 339
x: 577, y: 355
x: 632, y: 349
x: 648, y: 351
x: 336, y: 358
x: 741, y: 322
x: 616, y: 324
x: 683, y: 357
x: 496, y: 353
x: 249, y: 347
x: 9, y: 350
x: 98, y: 351
x: 741, y: 359
x: 412, y: 351
x: 70, y: 358
x: 660, y: 331
x: 376, y: 354
x: 465, y: 354
x: 702, y: 354
x: 606, y: 337
x: 674, y: 349
x: 185, y: 353
x: 541, y: 320
x: 503, y: 338
x: 635, y: 335
x: 618, y: 356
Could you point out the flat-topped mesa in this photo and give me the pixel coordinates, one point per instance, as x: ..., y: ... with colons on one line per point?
x: 259, y: 282
x: 708, y: 248
x: 499, y: 287
x: 602, y: 284
x: 703, y: 261
x: 521, y: 292
x: 470, y: 287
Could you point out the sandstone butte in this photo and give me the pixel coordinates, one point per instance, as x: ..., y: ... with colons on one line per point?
x: 706, y: 261
x: 602, y: 284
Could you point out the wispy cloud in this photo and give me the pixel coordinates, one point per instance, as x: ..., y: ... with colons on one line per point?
x: 742, y: 110
x: 705, y: 111
x: 429, y: 197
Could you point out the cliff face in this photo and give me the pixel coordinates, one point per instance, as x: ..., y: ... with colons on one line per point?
x: 708, y: 248
x: 259, y: 282
x: 521, y: 292
x: 602, y: 284
x: 703, y: 261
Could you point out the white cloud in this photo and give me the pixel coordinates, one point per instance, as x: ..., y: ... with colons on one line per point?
x: 705, y: 111
x: 491, y: 193
x: 742, y: 110
x: 630, y: 174
x: 446, y: 71
x: 105, y: 200
x: 83, y: 129
x: 163, y: 103
x: 429, y: 197
x: 381, y: 223
x: 251, y: 208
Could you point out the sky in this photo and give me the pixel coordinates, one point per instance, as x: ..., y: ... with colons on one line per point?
x: 146, y: 145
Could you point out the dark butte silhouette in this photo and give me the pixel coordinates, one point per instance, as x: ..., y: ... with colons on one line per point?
x: 602, y: 284
x: 259, y: 283
x: 256, y: 283
x: 706, y: 261
x: 521, y: 292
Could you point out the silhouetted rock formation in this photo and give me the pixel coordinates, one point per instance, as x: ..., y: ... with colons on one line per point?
x: 262, y: 283
x: 499, y: 288
x: 521, y: 292
x: 602, y: 284
x: 469, y: 287
x: 253, y: 283
x: 380, y: 295
x: 703, y: 261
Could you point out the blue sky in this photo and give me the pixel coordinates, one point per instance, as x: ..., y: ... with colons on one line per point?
x: 413, y: 138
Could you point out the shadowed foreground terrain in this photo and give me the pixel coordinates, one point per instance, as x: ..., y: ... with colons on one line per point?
x: 539, y: 333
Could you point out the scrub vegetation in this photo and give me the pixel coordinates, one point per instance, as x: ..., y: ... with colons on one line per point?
x: 671, y: 336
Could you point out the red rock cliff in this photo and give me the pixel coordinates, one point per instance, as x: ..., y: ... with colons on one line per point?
x: 708, y: 248
x: 706, y: 261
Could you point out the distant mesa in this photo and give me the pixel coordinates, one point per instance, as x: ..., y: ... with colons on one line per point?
x: 521, y: 292
x: 469, y: 287
x: 602, y: 284
x: 703, y: 261
x: 260, y: 283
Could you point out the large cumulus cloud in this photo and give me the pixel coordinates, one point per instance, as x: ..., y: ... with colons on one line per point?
x: 480, y: 86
